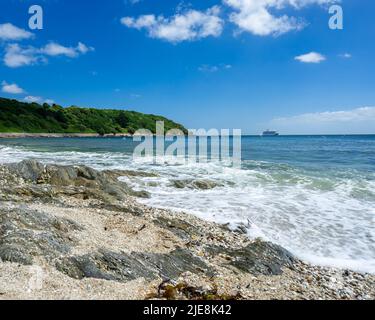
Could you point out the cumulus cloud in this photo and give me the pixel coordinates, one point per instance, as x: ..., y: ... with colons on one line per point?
x: 39, y: 100
x: 11, y: 88
x: 258, y: 17
x: 186, y: 26
x: 18, y: 56
x: 10, y: 32
x: 49, y: 101
x: 33, y: 99
x: 359, y: 120
x: 312, y: 57
x: 83, y: 49
x: 55, y: 49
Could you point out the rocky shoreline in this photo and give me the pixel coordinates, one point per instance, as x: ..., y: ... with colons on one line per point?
x: 71, y: 232
x: 61, y: 135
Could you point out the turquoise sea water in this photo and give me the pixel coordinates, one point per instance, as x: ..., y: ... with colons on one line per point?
x: 315, y: 195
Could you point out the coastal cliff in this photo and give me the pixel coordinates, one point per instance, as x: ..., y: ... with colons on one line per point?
x: 72, y: 232
x: 23, y: 119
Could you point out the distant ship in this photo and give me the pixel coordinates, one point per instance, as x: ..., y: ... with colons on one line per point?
x: 269, y: 133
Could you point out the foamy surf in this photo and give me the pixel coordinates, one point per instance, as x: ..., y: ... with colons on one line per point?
x: 323, y: 215
x: 328, y: 227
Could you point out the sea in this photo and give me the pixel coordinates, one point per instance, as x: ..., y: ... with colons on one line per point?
x: 313, y: 195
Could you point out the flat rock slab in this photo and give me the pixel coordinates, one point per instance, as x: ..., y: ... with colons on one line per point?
x: 25, y: 234
x: 258, y: 258
x: 122, y: 267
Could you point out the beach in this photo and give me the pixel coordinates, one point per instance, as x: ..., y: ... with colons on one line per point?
x: 312, y: 195
x: 187, y: 150
x: 59, y: 135
x: 72, y: 232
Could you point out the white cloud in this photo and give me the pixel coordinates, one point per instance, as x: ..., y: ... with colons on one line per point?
x: 214, y: 68
x: 11, y: 32
x: 11, y: 88
x: 259, y: 17
x: 208, y: 68
x: 55, y: 49
x: 37, y: 99
x: 187, y: 26
x: 359, y: 114
x: 18, y: 56
x: 255, y: 16
x: 33, y: 99
x: 135, y: 95
x: 359, y: 120
x: 345, y: 55
x: 312, y: 57
x: 49, y: 101
x: 15, y: 89
x: 82, y: 48
x: 132, y: 1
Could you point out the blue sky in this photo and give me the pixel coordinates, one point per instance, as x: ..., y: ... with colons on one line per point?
x: 249, y: 64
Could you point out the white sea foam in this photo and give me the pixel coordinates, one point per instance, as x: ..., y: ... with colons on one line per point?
x: 326, y: 220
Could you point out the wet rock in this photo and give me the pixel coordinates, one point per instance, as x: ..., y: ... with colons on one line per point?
x: 241, y: 229
x: 130, y: 173
x: 140, y: 194
x: 258, y: 258
x: 195, y: 184
x: 67, y: 180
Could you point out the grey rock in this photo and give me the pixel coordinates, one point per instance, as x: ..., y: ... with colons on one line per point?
x: 30, y: 170
x: 123, y: 267
x: 104, y: 265
x: 241, y: 229
x: 15, y: 254
x: 195, y: 184
x: 180, y: 228
x: 133, y: 210
x: 130, y: 173
x: 258, y: 258
x: 78, y: 181
x: 25, y: 234
x: 62, y: 176
x: 141, y: 194
x: 172, y: 265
